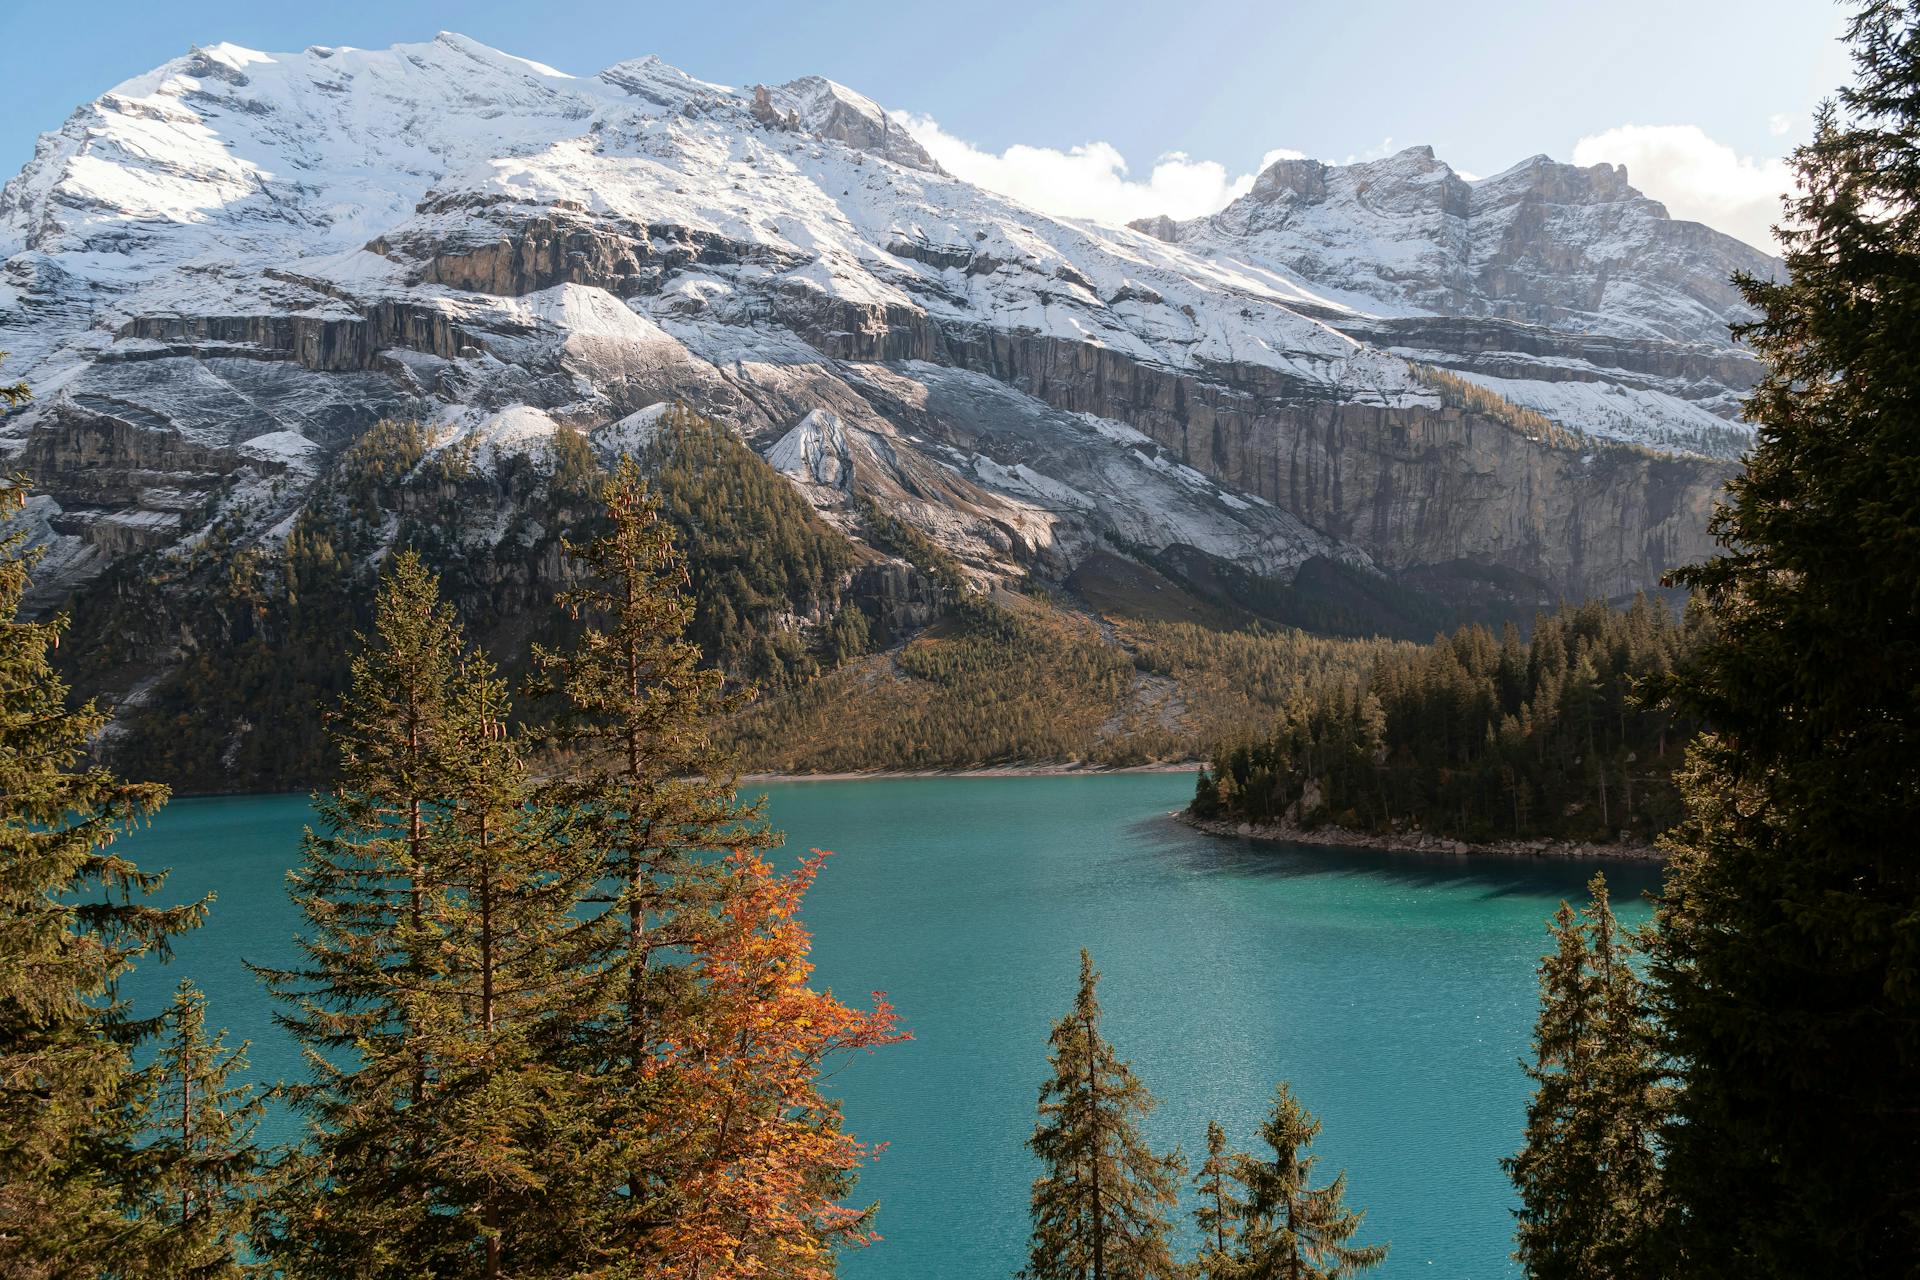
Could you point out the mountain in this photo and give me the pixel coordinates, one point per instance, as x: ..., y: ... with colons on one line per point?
x: 219, y: 275
x: 1557, y: 287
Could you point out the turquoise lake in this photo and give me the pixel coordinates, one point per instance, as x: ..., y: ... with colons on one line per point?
x: 1396, y: 992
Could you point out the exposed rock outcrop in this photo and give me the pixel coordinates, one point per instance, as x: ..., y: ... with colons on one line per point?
x: 1023, y: 389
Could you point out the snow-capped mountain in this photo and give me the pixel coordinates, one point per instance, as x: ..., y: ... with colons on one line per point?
x: 217, y: 274
x: 1560, y: 288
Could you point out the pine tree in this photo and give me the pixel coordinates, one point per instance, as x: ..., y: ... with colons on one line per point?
x: 199, y: 1169
x: 74, y: 916
x: 639, y: 717
x: 363, y: 1198
x: 514, y: 970
x: 1588, y: 1174
x: 1292, y: 1230
x: 1221, y: 1210
x: 1100, y: 1209
x: 1786, y: 958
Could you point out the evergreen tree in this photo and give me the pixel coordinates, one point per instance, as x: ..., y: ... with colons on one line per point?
x: 514, y: 970
x: 1787, y: 964
x: 1100, y: 1209
x: 200, y: 1171
x: 363, y: 1198
x: 74, y: 915
x: 1588, y: 1174
x: 1292, y: 1230
x: 1221, y: 1209
x: 639, y: 718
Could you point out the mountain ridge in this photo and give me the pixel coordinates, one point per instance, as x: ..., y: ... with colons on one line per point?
x: 218, y: 275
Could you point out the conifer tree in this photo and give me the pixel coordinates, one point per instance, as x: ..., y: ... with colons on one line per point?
x: 1220, y: 1210
x: 515, y: 969
x: 1788, y: 970
x: 639, y: 716
x: 362, y: 1199
x: 1588, y: 1174
x: 1100, y: 1209
x: 74, y: 916
x: 199, y: 1168
x: 770, y: 1161
x: 1292, y: 1230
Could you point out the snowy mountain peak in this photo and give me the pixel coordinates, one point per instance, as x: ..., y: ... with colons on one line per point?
x: 241, y: 247
x: 1569, y: 247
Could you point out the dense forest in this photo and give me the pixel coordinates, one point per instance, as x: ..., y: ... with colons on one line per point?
x: 1565, y: 734
x: 1090, y: 672
x: 263, y: 642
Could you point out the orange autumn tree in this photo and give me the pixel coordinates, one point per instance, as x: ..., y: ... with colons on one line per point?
x: 766, y: 1161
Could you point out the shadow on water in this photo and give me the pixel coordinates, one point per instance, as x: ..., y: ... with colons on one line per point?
x: 1490, y: 875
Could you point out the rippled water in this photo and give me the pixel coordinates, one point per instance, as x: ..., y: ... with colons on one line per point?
x: 1396, y: 992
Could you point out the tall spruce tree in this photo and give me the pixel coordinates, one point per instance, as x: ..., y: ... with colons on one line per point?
x: 74, y: 916
x: 363, y: 1197
x: 515, y: 970
x: 1788, y: 961
x: 1101, y: 1208
x: 1290, y: 1229
x: 638, y: 721
x: 199, y: 1171
x: 1588, y: 1174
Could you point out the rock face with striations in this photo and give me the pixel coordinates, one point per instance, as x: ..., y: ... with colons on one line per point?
x: 217, y: 275
x: 1558, y: 287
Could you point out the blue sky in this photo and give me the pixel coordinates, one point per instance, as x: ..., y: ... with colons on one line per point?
x: 1221, y: 82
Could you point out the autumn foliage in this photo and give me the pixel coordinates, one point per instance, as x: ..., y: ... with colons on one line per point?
x: 760, y: 1195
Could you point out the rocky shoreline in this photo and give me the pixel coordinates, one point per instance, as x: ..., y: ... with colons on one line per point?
x: 1067, y: 770
x: 1418, y: 842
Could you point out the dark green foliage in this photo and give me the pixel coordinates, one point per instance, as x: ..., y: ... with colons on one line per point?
x: 1101, y: 1206
x: 1480, y: 737
x: 755, y: 552
x: 198, y: 1171
x: 242, y: 711
x: 896, y: 537
x: 73, y: 918
x: 1285, y: 1228
x: 446, y: 970
x: 362, y: 1198
x: 1588, y: 1175
x: 1788, y: 955
x: 637, y: 715
x: 264, y: 622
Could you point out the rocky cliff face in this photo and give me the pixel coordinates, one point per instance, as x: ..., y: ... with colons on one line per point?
x: 217, y: 275
x: 1560, y: 288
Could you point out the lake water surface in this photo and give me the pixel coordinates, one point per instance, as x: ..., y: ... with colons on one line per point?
x: 1396, y: 992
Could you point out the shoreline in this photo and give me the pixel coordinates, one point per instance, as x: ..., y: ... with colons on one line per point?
x: 989, y: 771
x: 848, y: 775
x: 1341, y: 837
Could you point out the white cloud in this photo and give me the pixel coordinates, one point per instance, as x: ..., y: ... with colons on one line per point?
x: 1089, y: 181
x: 1379, y: 151
x: 1780, y: 124
x: 1696, y: 177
